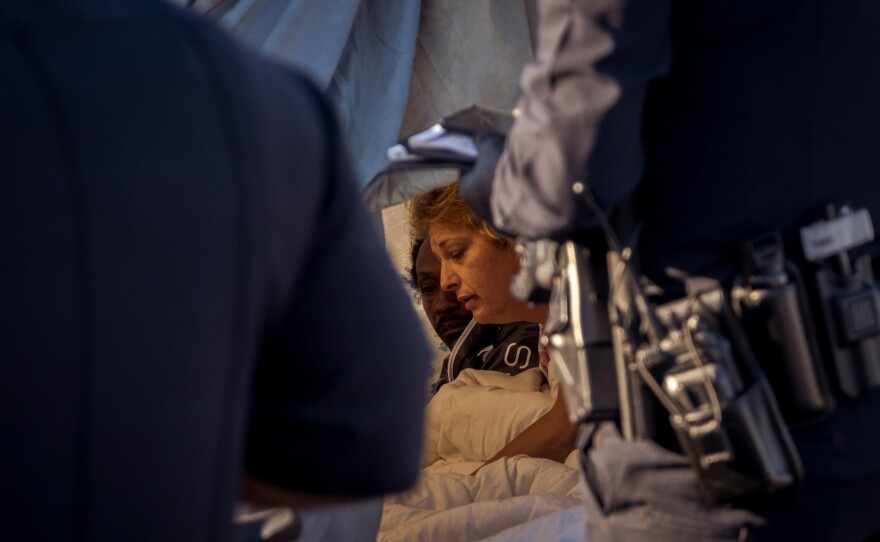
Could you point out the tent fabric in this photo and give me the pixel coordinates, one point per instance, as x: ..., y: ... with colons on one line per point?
x: 392, y: 67
x: 311, y: 35
x: 359, y: 51
x: 401, y: 182
x: 466, y: 53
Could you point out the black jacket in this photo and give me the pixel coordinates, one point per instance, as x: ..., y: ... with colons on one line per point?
x: 508, y: 348
x: 187, y: 283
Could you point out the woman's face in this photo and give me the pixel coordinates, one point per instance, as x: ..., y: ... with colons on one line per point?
x: 479, y: 272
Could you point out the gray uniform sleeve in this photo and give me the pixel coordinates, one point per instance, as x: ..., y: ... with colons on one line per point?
x: 580, y: 114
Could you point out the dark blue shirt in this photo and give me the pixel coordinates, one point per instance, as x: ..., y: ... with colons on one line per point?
x: 187, y: 283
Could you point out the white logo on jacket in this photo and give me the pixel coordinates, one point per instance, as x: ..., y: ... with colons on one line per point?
x: 517, y: 355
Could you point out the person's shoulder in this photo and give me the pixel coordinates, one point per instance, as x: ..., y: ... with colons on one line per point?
x: 281, y: 108
x: 237, y: 64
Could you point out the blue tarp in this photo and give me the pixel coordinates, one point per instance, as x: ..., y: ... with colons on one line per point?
x: 392, y: 67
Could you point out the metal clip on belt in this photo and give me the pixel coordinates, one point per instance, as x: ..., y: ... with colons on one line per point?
x: 848, y: 297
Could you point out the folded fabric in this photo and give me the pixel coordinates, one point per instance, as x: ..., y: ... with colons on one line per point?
x: 477, y: 414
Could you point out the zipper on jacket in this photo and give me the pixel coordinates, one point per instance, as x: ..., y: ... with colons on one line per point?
x: 456, y: 346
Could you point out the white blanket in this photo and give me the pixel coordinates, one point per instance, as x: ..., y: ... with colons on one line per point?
x: 519, y: 498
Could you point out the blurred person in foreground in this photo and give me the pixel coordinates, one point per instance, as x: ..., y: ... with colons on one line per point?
x: 194, y: 302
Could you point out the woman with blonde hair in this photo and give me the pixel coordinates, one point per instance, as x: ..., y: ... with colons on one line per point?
x: 477, y: 263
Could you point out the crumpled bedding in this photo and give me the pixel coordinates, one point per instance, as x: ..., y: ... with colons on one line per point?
x: 518, y: 498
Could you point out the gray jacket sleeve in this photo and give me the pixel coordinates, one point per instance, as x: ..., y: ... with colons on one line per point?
x: 580, y: 114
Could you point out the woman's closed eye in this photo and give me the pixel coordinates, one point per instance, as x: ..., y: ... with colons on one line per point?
x: 452, y: 249
x: 455, y: 256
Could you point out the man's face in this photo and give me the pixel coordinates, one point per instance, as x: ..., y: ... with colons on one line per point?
x: 447, y: 316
